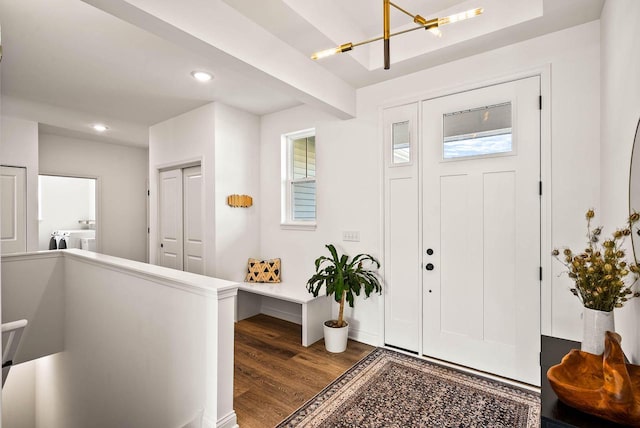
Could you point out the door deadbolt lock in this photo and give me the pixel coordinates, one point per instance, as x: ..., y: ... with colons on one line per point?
x: 161, y: 245
x: 430, y: 251
x: 429, y: 266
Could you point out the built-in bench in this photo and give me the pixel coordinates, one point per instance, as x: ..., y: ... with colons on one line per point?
x: 285, y: 301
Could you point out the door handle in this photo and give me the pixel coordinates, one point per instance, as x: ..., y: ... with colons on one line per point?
x: 429, y: 266
x: 430, y: 251
x: 161, y: 245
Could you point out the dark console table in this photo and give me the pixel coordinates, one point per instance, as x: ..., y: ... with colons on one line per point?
x: 554, y: 413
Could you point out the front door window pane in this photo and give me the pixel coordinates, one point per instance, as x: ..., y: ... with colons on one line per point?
x: 478, y: 132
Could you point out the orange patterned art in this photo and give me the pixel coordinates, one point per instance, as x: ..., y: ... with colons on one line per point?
x: 602, y: 385
x: 241, y: 201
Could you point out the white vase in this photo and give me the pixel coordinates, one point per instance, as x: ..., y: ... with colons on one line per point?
x: 335, y: 338
x: 595, y: 324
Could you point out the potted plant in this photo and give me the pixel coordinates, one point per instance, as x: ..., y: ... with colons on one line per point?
x: 343, y: 278
x: 601, y: 277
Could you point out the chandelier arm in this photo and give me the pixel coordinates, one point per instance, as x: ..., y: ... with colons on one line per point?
x: 402, y: 10
x: 420, y: 27
x: 375, y: 39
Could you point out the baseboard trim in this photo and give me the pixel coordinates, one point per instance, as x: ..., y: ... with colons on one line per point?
x: 364, y: 337
x: 228, y: 421
x: 283, y: 315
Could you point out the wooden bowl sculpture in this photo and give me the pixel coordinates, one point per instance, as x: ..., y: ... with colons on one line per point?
x: 602, y: 385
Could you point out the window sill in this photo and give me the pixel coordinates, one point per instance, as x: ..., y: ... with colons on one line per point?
x: 298, y: 226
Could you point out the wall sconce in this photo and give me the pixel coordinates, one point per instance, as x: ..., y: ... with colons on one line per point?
x: 239, y: 201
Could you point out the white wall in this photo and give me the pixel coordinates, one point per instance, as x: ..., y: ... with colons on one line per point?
x: 574, y: 58
x: 348, y: 197
x: 19, y: 147
x: 179, y: 141
x: 121, y: 173
x: 125, y: 362
x: 140, y: 365
x: 620, y: 66
x: 19, y: 397
x: 64, y: 201
x: 237, y: 151
x: 32, y: 289
x: 226, y: 142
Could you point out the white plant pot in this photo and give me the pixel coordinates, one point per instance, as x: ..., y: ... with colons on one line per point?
x: 595, y: 324
x: 335, y: 338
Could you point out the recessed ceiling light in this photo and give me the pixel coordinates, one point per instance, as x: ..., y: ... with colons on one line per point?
x: 201, y: 76
x: 100, y: 127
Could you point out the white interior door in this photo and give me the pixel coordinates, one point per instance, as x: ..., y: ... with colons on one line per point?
x: 481, y: 229
x: 13, y: 188
x: 171, y: 223
x: 193, y: 233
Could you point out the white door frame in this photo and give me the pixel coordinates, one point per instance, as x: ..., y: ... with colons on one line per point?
x: 187, y: 163
x: 24, y: 228
x: 544, y: 72
x: 98, y: 201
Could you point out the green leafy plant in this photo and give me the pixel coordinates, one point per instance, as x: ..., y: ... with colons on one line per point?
x: 600, y: 273
x: 344, y: 278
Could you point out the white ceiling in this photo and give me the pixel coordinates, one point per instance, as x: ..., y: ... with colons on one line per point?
x: 71, y: 55
x: 67, y: 63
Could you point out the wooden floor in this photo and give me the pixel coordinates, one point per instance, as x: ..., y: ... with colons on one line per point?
x: 274, y: 374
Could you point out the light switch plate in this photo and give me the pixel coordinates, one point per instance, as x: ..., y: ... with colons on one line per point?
x: 351, y: 235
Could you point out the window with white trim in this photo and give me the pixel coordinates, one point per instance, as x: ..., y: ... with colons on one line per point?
x: 299, y: 184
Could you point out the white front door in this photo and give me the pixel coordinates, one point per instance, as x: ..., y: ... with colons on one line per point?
x: 481, y: 229
x: 13, y: 188
x: 170, y: 201
x: 193, y: 233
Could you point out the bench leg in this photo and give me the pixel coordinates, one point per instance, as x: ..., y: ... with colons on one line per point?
x: 314, y: 314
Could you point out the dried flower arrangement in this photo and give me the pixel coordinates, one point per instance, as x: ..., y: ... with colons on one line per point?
x: 600, y: 272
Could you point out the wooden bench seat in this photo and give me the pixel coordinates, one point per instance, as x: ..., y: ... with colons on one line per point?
x: 302, y: 308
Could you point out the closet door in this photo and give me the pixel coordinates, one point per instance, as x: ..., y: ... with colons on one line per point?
x: 193, y: 233
x: 13, y: 189
x: 402, y: 262
x: 170, y: 201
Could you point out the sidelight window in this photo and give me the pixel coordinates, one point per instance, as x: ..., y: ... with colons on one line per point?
x: 401, y: 142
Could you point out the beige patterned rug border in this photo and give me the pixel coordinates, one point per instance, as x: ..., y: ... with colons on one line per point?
x: 327, y: 406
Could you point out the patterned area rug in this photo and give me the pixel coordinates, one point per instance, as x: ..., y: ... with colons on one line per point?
x: 389, y: 389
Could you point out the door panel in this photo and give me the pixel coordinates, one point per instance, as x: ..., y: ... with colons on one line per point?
x: 481, y: 216
x: 171, y: 247
x: 454, y: 246
x: 193, y: 248
x: 13, y: 228
x: 499, y: 210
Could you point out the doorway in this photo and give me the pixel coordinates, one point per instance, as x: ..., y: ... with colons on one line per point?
x: 463, y: 283
x: 66, y: 212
